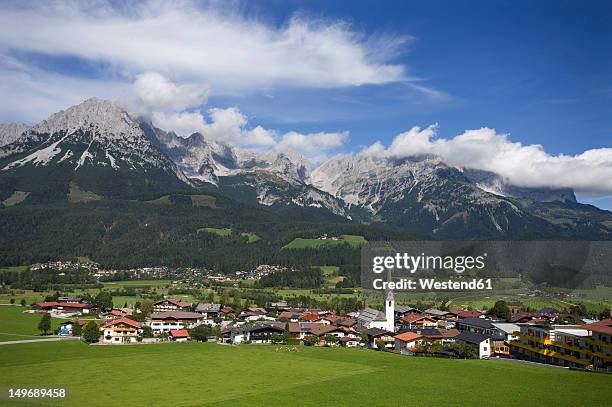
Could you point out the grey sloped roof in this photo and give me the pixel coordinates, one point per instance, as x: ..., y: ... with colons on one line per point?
x: 471, y: 337
x: 276, y: 326
x: 202, y: 307
x: 436, y: 312
x: 368, y: 315
x: 403, y: 308
x: 477, y: 322
x: 377, y: 332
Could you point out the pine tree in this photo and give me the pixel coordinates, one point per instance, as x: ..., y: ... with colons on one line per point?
x: 91, y: 332
x: 45, y: 324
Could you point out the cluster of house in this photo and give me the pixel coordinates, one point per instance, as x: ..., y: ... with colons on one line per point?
x: 260, y: 271
x: 95, y: 270
x: 531, y: 336
x: 65, y: 265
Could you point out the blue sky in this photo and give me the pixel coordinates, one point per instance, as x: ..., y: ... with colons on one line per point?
x: 538, y: 72
x: 541, y: 71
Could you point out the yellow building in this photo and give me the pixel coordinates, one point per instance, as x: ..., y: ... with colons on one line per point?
x: 561, y: 345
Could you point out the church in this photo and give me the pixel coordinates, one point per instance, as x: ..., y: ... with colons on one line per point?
x: 372, y: 318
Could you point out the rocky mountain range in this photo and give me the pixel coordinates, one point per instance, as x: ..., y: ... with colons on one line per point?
x: 110, y: 153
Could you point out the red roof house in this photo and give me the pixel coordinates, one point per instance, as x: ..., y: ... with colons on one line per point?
x: 179, y: 335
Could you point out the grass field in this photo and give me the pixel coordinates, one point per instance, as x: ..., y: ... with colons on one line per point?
x: 203, y: 200
x: 16, y: 325
x: 137, y: 283
x: 76, y: 194
x: 217, y: 231
x: 251, y: 237
x: 16, y: 198
x: 260, y: 375
x: 329, y: 270
x: 16, y: 269
x: 302, y: 243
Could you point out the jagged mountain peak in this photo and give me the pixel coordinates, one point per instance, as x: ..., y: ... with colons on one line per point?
x: 101, y: 115
x: 10, y: 132
x: 95, y: 144
x: 207, y: 160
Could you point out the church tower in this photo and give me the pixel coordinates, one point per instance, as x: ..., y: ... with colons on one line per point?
x: 389, y: 307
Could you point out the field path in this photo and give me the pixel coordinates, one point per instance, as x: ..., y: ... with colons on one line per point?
x: 53, y: 339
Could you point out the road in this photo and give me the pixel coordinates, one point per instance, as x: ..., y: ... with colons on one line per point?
x: 52, y: 339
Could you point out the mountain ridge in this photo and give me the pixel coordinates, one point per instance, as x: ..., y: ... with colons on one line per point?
x: 102, y: 149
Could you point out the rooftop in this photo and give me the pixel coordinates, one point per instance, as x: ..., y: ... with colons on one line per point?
x: 471, y: 337
x: 176, y: 315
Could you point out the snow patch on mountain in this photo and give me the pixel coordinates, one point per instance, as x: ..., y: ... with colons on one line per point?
x: 40, y: 157
x: 94, y: 133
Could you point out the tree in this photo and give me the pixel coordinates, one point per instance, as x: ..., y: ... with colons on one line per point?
x: 91, y: 332
x: 311, y: 341
x: 12, y: 301
x: 147, y: 332
x: 146, y: 307
x: 331, y: 339
x: 225, y: 298
x: 45, y: 323
x: 200, y: 333
x: 500, y: 310
x: 138, y: 317
x: 464, y: 350
x: 104, y: 300
x: 380, y: 344
x: 76, y: 329
x: 23, y: 302
x: 280, y: 338
x: 578, y: 310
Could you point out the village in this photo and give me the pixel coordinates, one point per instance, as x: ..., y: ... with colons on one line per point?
x: 454, y: 333
x: 187, y: 274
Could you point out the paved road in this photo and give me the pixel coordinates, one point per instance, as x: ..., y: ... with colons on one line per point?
x: 52, y: 339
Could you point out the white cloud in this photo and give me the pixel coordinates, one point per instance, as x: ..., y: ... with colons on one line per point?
x: 184, y: 123
x: 30, y: 94
x: 204, y: 44
x: 230, y: 126
x: 313, y: 143
x: 260, y: 137
x: 154, y: 91
x: 522, y: 165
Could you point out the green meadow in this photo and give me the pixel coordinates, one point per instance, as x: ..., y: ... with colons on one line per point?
x: 303, y: 243
x: 264, y: 375
x: 14, y: 269
x: 251, y: 237
x: 224, y: 232
x: 16, y: 325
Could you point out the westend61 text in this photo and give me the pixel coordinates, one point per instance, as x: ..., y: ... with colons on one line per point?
x: 405, y: 284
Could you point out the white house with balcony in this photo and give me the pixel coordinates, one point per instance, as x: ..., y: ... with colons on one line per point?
x: 120, y: 330
x: 167, y: 321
